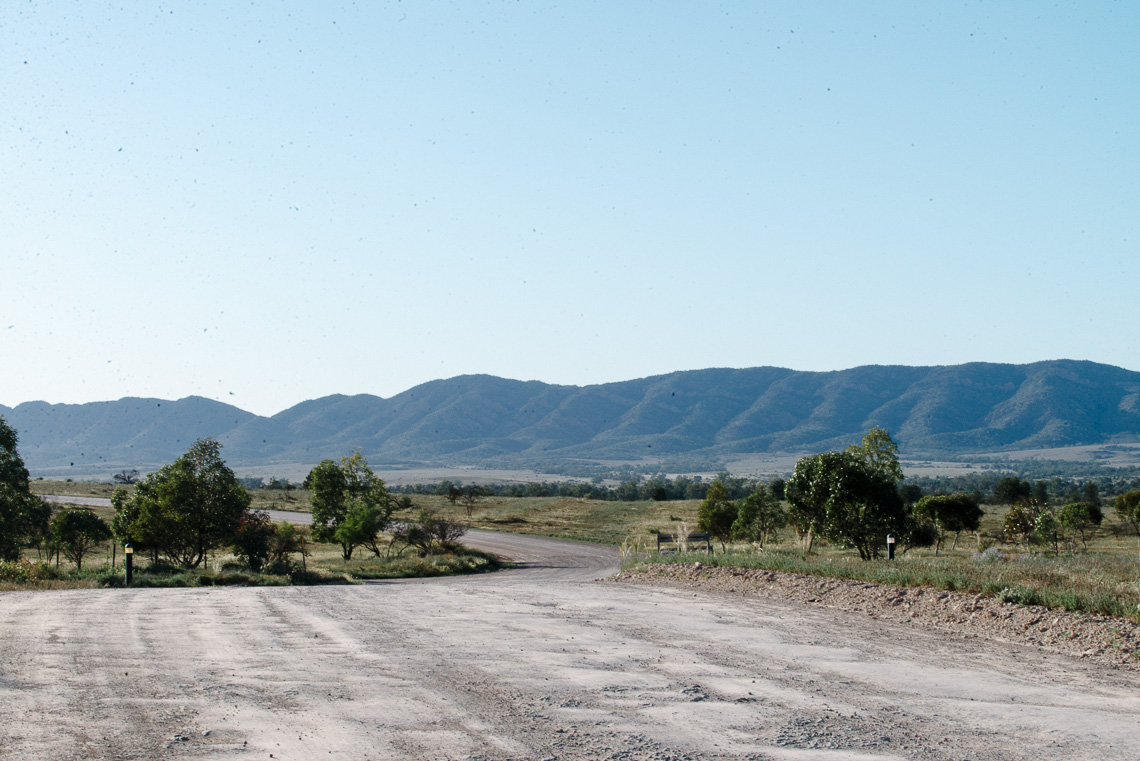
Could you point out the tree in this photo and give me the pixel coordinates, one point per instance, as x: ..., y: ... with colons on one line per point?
x: 76, y: 532
x: 362, y: 527
x: 917, y: 532
x: 1046, y: 528
x: 337, y: 488
x: 1081, y: 517
x: 849, y: 498
x: 185, y: 509
x: 286, y: 540
x: 283, y: 485
x: 880, y: 453
x: 470, y: 498
x: 24, y: 517
x: 1127, y: 508
x: 910, y: 493
x: 261, y: 544
x: 1018, y: 523
x: 1011, y: 489
x: 758, y: 517
x: 126, y: 477
x: 128, y: 525
x: 627, y: 491
x: 716, y: 514
x: 429, y: 533
x: 952, y: 514
x: 806, y: 492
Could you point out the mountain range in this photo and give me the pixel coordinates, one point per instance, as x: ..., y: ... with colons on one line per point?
x: 713, y: 413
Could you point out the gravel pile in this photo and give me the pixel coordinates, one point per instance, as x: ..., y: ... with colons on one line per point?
x: 1110, y: 641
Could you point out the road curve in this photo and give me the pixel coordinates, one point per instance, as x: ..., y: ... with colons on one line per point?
x: 535, y: 558
x: 529, y: 664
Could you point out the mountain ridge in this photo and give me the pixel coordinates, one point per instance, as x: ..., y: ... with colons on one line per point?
x: 713, y: 412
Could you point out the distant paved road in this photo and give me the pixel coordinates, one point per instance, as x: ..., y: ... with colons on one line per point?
x: 63, y: 500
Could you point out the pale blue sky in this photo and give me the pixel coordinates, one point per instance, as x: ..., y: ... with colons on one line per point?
x: 292, y: 199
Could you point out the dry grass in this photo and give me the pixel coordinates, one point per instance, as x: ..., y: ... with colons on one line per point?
x: 1105, y: 578
x: 602, y: 522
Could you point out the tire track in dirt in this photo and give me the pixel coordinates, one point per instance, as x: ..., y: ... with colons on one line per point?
x: 528, y: 664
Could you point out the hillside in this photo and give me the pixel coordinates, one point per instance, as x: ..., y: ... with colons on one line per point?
x: 709, y: 413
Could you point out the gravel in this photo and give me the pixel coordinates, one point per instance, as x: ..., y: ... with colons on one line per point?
x: 1112, y: 641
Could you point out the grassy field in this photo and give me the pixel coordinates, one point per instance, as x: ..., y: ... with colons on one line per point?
x: 1105, y: 578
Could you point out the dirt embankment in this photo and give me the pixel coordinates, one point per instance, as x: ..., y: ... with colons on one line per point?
x: 1111, y: 641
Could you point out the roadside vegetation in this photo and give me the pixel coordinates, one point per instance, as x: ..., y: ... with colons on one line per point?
x: 1058, y: 544
x: 1063, y: 542
x: 192, y: 523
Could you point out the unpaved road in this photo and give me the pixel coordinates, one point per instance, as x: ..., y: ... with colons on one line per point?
x: 535, y: 663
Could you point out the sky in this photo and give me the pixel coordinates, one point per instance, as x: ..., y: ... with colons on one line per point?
x: 277, y: 201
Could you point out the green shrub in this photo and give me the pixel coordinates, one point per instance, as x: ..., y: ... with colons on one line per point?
x: 251, y: 541
x: 26, y: 571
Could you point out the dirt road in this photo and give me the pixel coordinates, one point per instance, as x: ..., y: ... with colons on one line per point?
x: 528, y: 664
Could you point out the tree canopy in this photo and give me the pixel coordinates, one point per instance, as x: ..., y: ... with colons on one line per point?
x: 851, y: 497
x: 1011, y: 489
x: 24, y: 517
x: 350, y: 503
x: 1127, y: 508
x: 951, y: 513
x: 717, y: 513
x: 880, y: 453
x: 759, y: 516
x: 1081, y: 518
x: 76, y: 532
x: 185, y: 509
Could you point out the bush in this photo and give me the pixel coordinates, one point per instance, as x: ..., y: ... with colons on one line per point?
x: 287, y: 539
x: 429, y: 533
x: 253, y: 539
x: 24, y: 571
x: 1020, y: 596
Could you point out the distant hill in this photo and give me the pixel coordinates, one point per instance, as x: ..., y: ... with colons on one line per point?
x: 130, y: 430
x: 475, y: 419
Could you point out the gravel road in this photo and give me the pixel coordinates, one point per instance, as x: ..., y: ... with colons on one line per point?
x: 535, y: 663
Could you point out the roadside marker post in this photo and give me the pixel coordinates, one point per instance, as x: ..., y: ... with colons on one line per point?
x: 890, y: 546
x: 129, y: 558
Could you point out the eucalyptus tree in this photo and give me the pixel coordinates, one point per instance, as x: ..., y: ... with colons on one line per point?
x: 951, y: 513
x: 851, y: 498
x: 24, y: 517
x: 183, y: 510
x: 351, y: 505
